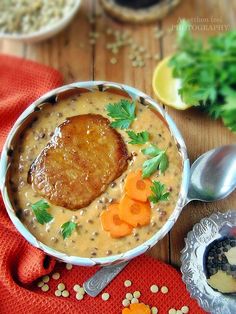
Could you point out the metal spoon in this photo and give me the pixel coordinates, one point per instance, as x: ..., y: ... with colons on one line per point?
x: 212, y: 177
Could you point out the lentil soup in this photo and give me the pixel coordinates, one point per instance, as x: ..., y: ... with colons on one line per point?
x: 90, y: 239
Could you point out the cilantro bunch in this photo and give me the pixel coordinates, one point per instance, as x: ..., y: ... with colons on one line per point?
x: 208, y: 73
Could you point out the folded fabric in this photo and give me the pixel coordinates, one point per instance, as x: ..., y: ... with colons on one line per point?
x: 22, y: 266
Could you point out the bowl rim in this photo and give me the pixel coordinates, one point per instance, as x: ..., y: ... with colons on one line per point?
x: 46, y: 31
x: 135, y: 94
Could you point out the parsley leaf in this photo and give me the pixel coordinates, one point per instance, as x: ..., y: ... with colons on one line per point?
x: 123, y: 112
x: 67, y: 228
x: 159, y: 192
x: 159, y: 161
x: 207, y: 73
x: 40, y: 210
x: 138, y: 138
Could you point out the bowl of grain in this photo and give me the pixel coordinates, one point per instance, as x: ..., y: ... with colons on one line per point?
x: 33, y: 21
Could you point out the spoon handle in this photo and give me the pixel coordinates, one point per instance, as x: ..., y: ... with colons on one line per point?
x: 95, y: 284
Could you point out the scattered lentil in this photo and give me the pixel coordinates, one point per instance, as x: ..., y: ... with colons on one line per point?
x: 68, y: 266
x: 79, y: 296
x: 61, y: 286
x: 164, y: 289
x: 127, y: 283
x: 57, y: 293
x: 134, y: 300
x: 178, y: 312
x: 154, y: 288
x: 105, y: 296
x: 45, y: 288
x: 154, y: 310
x: 129, y: 296
x: 65, y: 293
x: 40, y: 284
x: 185, y: 309
x: 125, y: 303
x: 56, y: 276
x: 113, y: 60
x: 136, y: 294
x: 46, y: 279
x: 172, y: 311
x: 76, y: 288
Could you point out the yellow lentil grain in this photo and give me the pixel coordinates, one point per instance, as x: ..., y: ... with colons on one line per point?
x: 79, y: 296
x: 154, y: 288
x: 40, y: 284
x: 56, y: 276
x: 129, y: 296
x: 172, y: 311
x: 136, y: 294
x: 65, y: 293
x: 154, y: 310
x: 164, y: 289
x: 45, y: 279
x: 69, y: 266
x: 61, y: 286
x: 81, y: 290
x: 127, y: 283
x: 105, y: 296
x: 76, y: 288
x: 125, y: 303
x: 45, y: 288
x: 113, y: 60
x: 134, y: 300
x: 178, y: 312
x: 185, y: 309
x: 57, y: 293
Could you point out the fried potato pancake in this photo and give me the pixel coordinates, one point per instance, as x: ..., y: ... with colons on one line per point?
x: 82, y: 158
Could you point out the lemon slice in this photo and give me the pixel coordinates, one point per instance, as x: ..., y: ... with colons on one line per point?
x: 166, y: 87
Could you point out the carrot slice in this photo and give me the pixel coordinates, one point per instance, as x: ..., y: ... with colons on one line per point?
x: 133, y: 212
x: 138, y: 188
x: 111, y: 222
x: 137, y: 308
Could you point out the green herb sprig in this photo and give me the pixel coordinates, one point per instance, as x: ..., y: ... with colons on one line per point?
x: 159, y: 192
x: 159, y: 161
x: 123, y: 112
x: 207, y: 73
x: 67, y: 228
x: 138, y: 138
x: 40, y: 210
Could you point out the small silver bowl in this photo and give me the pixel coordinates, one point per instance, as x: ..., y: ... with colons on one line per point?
x: 193, y: 262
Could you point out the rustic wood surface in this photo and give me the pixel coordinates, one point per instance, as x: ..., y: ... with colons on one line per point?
x: 71, y: 53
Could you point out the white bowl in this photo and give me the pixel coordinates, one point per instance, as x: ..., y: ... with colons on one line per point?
x: 47, y: 31
x: 34, y: 109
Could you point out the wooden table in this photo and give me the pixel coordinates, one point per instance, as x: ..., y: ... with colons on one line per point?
x: 71, y: 53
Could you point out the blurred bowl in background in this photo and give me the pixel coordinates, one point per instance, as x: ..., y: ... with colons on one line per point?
x: 47, y: 31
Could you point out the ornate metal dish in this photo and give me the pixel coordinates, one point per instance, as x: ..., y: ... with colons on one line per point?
x: 193, y: 266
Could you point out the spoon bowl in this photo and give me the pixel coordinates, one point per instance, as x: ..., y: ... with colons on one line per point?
x: 213, y: 175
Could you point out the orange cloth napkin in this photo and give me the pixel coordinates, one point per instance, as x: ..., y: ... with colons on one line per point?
x: 22, y: 265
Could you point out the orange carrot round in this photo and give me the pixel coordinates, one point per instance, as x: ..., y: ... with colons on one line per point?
x: 133, y: 212
x: 111, y: 222
x: 138, y: 188
x: 137, y: 308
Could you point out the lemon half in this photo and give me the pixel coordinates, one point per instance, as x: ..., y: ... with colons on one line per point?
x: 166, y: 87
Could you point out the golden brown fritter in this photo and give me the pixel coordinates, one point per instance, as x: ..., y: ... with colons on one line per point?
x: 82, y: 158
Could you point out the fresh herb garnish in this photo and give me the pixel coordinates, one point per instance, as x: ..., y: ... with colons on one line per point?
x: 138, y: 138
x: 123, y: 112
x: 159, y: 192
x: 67, y: 228
x: 40, y: 210
x: 207, y: 73
x: 159, y: 161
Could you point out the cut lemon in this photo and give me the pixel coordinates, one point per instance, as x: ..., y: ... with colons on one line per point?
x: 166, y: 87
